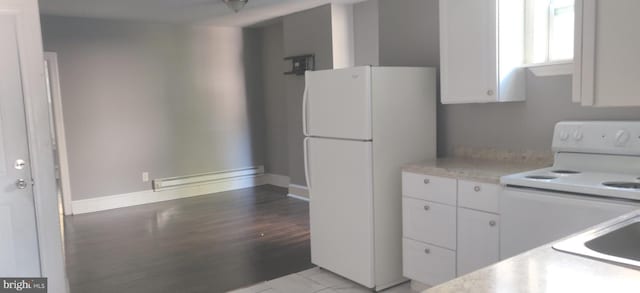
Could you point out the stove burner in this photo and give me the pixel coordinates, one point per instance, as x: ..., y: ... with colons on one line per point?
x: 541, y: 177
x: 623, y: 185
x: 565, y: 172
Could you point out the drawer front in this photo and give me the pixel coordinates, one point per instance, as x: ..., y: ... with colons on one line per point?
x: 432, y: 188
x: 429, y: 222
x: 479, y: 196
x: 428, y: 264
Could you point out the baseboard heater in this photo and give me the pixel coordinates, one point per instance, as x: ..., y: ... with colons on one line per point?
x: 206, y: 178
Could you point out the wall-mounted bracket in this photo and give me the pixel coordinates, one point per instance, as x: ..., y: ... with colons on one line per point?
x: 301, y: 63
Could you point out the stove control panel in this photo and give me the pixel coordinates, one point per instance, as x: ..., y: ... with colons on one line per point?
x: 602, y: 137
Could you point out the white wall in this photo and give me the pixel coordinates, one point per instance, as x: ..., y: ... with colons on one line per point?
x: 171, y: 100
x: 342, y: 35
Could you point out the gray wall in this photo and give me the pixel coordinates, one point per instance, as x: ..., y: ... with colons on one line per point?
x: 521, y: 125
x: 409, y: 36
x: 366, y: 33
x: 304, y: 33
x: 276, y: 126
x: 409, y: 32
x: 167, y: 99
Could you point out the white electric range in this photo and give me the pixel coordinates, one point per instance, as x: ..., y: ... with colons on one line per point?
x: 595, y: 177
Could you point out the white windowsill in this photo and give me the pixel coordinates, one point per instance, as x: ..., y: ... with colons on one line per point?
x: 551, y: 68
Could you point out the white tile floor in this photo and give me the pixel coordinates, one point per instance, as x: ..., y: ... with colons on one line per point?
x: 315, y: 280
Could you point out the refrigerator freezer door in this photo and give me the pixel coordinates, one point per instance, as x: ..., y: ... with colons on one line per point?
x: 338, y: 103
x: 341, y: 207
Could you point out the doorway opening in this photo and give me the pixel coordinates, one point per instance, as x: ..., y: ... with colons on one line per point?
x: 58, y: 141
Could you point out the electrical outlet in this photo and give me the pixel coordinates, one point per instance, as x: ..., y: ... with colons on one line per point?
x: 145, y: 176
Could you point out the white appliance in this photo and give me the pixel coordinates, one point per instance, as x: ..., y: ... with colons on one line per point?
x: 595, y: 177
x: 361, y: 125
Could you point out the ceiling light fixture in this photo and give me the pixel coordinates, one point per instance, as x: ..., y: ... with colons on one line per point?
x: 235, y: 5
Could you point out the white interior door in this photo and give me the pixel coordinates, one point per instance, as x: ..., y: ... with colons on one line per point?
x: 338, y: 103
x: 341, y: 208
x: 19, y: 255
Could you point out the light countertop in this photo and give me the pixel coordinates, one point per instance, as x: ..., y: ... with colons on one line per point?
x: 545, y: 270
x: 474, y: 169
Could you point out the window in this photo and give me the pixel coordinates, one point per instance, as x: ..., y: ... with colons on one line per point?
x: 549, y: 31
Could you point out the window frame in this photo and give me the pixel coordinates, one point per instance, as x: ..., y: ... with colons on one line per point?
x: 546, y: 67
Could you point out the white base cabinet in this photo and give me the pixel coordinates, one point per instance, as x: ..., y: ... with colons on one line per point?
x: 429, y: 222
x: 426, y: 263
x: 450, y: 227
x: 478, y: 240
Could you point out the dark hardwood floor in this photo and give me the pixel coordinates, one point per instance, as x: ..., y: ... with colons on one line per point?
x: 210, y: 243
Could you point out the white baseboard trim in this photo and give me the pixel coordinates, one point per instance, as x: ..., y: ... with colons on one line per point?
x: 149, y: 196
x: 298, y: 197
x: 160, y: 184
x: 298, y: 191
x: 276, y: 179
x: 110, y: 202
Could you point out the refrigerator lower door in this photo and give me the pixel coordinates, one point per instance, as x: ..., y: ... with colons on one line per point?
x: 341, y: 207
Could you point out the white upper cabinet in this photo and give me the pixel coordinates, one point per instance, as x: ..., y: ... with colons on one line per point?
x: 480, y: 61
x: 607, y: 59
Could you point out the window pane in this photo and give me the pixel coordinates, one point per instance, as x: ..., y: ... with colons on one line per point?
x: 538, y: 31
x: 561, y: 28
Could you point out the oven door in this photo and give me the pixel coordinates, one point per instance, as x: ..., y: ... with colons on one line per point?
x: 531, y: 218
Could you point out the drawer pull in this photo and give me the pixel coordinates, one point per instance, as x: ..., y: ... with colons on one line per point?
x: 426, y: 181
x: 427, y: 207
x: 427, y: 250
x: 476, y: 188
x: 492, y: 223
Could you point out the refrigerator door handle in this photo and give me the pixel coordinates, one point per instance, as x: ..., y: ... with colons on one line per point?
x: 306, y: 162
x: 305, y: 97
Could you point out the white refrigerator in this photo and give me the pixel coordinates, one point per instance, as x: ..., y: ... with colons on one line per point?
x: 361, y: 125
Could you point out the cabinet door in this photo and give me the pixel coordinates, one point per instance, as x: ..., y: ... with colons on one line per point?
x: 468, y: 51
x: 607, y: 63
x: 478, y: 240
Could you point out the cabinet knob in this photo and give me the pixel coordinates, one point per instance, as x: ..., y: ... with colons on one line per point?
x: 427, y: 207
x: 492, y: 223
x: 427, y: 250
x: 426, y: 181
x: 490, y: 92
x: 21, y: 184
x: 476, y: 188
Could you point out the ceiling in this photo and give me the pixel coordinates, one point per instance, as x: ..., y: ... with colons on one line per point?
x: 211, y: 12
